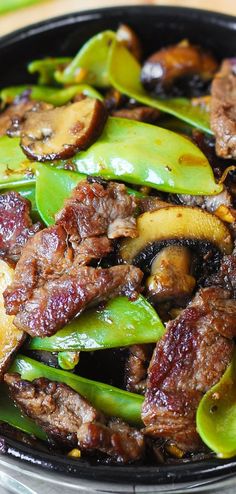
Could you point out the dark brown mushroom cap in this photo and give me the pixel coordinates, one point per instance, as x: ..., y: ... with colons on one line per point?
x: 164, y: 67
x: 60, y: 132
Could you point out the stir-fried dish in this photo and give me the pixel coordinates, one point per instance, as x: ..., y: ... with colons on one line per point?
x: 118, y: 258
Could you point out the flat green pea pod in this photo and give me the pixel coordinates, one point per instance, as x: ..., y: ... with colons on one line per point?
x: 124, y: 75
x: 15, y: 168
x: 144, y: 154
x: 90, y: 65
x: 53, y: 187
x: 110, y: 400
x: 46, y: 68
x: 216, y: 415
x: 10, y: 414
x: 51, y: 95
x: 119, y: 323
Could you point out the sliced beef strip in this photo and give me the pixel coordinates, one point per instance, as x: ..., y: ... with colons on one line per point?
x: 191, y: 358
x: 70, y: 420
x: 210, y: 203
x: 49, y: 275
x: 97, y: 208
x: 223, y: 109
x: 15, y: 225
x: 136, y: 367
x: 58, y: 301
x: 117, y: 439
x: 226, y: 276
x: 140, y: 113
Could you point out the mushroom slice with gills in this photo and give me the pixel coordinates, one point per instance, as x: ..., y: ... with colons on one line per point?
x: 174, y: 224
x: 170, y: 274
x: 11, y: 338
x: 60, y: 132
x: 162, y: 69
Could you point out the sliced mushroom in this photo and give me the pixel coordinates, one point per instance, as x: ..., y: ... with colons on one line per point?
x: 170, y: 274
x: 59, y: 133
x: 175, y: 224
x: 130, y: 40
x: 163, y: 68
x: 11, y: 338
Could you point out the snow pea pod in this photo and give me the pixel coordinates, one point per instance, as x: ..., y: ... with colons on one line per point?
x: 46, y: 68
x: 110, y: 400
x: 124, y: 75
x: 216, y: 415
x: 53, y: 186
x: 10, y: 414
x: 15, y: 168
x: 119, y: 323
x: 144, y: 154
x: 54, y: 96
x: 91, y: 62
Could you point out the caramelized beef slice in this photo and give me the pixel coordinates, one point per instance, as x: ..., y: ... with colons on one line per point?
x: 136, y: 367
x: 223, y: 109
x: 117, y: 439
x: 60, y: 300
x: 15, y: 225
x: 140, y: 113
x: 97, y: 208
x: 51, y: 286
x: 190, y: 359
x: 72, y: 421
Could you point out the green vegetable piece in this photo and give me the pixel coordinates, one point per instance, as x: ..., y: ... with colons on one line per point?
x: 91, y: 62
x: 124, y: 74
x: 46, y: 68
x: 68, y: 360
x: 216, y: 415
x: 51, y: 95
x: 15, y: 168
x: 53, y: 186
x: 10, y: 414
x: 120, y: 323
x: 110, y: 400
x: 144, y: 154
x: 7, y: 5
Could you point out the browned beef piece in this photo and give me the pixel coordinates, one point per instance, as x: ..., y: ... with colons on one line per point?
x: 15, y: 225
x: 117, y: 439
x: 226, y: 276
x: 50, y: 286
x: 59, y: 300
x: 136, y: 367
x: 69, y: 419
x: 223, y: 109
x: 96, y: 208
x: 139, y: 113
x: 189, y: 360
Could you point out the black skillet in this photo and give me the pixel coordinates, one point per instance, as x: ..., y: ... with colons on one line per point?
x: 156, y: 27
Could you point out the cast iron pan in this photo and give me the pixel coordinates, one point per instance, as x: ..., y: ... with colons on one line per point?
x: 156, y: 26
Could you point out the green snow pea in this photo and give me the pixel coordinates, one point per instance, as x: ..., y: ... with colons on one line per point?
x: 144, y: 154
x: 216, y: 415
x: 53, y: 186
x: 54, y: 96
x: 15, y: 168
x: 46, y: 68
x: 10, y: 414
x: 91, y: 62
x: 124, y: 75
x: 120, y: 323
x: 110, y: 400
